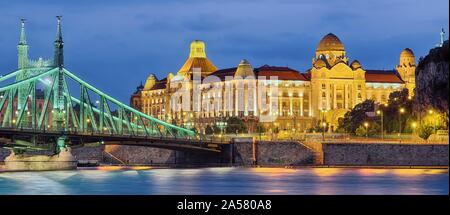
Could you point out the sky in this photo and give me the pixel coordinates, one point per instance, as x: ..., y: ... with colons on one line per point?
x: 114, y: 44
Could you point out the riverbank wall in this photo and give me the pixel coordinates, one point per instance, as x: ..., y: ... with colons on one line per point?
x: 266, y: 153
x: 385, y: 154
x: 238, y: 153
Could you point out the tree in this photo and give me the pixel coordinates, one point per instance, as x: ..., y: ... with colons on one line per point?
x: 398, y: 100
x: 360, y: 131
x: 236, y: 124
x: 357, y: 116
x: 212, y: 129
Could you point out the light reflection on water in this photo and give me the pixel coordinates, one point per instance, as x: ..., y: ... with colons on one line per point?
x: 144, y: 180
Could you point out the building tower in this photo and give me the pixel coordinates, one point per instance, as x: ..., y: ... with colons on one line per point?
x: 407, y: 69
x: 22, y: 49
x: 197, y: 59
x: 331, y: 50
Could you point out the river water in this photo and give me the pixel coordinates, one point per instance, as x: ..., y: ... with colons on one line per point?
x: 144, y: 180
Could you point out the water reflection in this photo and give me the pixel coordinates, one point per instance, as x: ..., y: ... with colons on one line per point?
x: 272, y: 181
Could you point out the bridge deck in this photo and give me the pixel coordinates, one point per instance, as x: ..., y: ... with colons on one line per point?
x: 77, y: 138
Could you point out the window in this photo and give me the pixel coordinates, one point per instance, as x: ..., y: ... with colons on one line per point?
x: 323, y: 94
x: 359, y: 86
x: 323, y: 86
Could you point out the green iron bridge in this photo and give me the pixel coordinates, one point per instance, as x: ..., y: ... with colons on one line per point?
x: 40, y: 110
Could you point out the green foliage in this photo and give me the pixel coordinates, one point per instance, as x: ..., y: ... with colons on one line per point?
x: 236, y: 124
x: 392, y: 117
x: 360, y: 131
x: 260, y: 128
x: 340, y: 130
x: 212, y: 130
x: 353, y: 119
x: 425, y: 131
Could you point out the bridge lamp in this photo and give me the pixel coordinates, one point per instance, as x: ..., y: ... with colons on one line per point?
x: 430, y: 112
x: 28, y: 112
x: 386, y: 105
x: 402, y: 110
x: 88, y: 120
x: 378, y: 112
x: 14, y: 121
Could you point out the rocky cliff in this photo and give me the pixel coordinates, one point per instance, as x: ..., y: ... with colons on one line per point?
x: 432, y: 84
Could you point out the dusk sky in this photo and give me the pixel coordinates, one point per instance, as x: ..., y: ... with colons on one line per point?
x: 114, y: 45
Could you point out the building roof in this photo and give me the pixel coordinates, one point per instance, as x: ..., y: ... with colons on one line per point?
x: 283, y: 73
x: 206, y: 66
x: 222, y: 73
x: 383, y: 76
x: 161, y: 84
x: 330, y: 42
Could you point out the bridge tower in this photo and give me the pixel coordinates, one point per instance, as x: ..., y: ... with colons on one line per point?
x: 22, y: 49
x: 59, y: 101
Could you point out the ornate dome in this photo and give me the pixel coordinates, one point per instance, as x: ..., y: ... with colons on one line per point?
x: 355, y: 64
x: 330, y: 42
x: 407, y: 53
x: 244, y: 70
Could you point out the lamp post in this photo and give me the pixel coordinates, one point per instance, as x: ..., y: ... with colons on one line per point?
x: 434, y: 120
x: 366, y: 125
x: 324, y: 124
x: 380, y: 112
x: 414, y: 126
x: 400, y: 112
x: 221, y: 125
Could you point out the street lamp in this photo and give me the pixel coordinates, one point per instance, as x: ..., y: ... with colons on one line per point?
x: 400, y: 112
x: 380, y: 112
x: 366, y: 125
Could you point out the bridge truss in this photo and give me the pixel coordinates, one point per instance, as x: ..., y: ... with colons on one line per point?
x: 54, y: 100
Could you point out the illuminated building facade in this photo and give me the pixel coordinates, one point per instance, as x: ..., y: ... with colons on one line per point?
x: 294, y: 101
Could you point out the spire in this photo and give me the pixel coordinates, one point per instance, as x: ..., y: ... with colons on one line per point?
x: 23, y: 38
x: 22, y: 48
x: 59, y: 51
x: 58, y: 30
